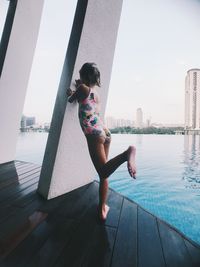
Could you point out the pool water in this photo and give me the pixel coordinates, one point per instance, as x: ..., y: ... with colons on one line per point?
x: 168, y: 178
x: 168, y: 175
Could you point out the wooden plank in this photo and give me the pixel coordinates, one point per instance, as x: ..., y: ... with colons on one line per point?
x: 18, y: 177
x: 149, y: 245
x: 8, y: 175
x: 26, y: 196
x: 76, y: 251
x: 73, y: 207
x: 45, y: 255
x: 22, y: 168
x: 125, y: 249
x: 5, y: 167
x: 115, y: 201
x: 54, y: 206
x: 23, y: 177
x: 75, y: 198
x: 13, y: 178
x: 17, y: 218
x: 11, y: 191
x: 9, y: 169
x: 6, y: 212
x: 174, y: 248
x: 36, y: 238
x: 28, y: 169
x: 21, y: 233
x: 26, y: 165
x: 20, y: 161
x: 194, y: 252
x: 100, y: 247
x: 20, y: 198
x: 51, y: 241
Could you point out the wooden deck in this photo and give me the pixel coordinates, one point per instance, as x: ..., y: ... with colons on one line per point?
x: 65, y: 231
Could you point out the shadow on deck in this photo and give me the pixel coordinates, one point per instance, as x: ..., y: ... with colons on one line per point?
x: 65, y: 231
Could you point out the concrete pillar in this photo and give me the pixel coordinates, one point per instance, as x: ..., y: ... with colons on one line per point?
x: 15, y: 73
x: 67, y: 164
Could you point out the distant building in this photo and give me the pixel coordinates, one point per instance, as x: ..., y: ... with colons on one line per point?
x: 110, y: 122
x: 123, y: 123
x: 26, y: 122
x: 113, y: 123
x: 30, y: 121
x: 139, y: 118
x: 148, y: 123
x: 192, y: 100
x: 23, y: 123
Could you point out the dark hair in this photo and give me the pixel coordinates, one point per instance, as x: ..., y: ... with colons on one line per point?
x: 90, y: 73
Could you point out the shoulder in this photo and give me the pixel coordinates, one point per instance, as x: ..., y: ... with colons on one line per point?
x: 83, y: 90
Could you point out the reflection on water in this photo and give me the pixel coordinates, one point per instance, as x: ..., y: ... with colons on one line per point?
x: 191, y: 162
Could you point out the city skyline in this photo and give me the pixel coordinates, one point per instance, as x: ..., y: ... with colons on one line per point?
x: 151, y: 58
x: 116, y: 122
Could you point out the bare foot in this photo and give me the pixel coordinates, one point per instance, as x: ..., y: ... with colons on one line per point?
x: 131, y: 151
x: 103, y: 212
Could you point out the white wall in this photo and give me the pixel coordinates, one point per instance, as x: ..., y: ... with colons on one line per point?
x: 15, y: 73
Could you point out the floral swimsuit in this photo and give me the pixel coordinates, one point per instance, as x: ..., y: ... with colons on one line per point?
x: 89, y: 117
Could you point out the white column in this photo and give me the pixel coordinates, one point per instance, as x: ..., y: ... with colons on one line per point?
x: 15, y: 73
x: 70, y: 167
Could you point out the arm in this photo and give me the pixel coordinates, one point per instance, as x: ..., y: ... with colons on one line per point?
x: 80, y: 94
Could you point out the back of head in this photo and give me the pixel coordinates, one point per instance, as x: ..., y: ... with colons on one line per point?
x: 90, y: 74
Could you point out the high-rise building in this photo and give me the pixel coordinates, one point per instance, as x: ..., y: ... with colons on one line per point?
x: 23, y: 122
x: 26, y: 122
x: 139, y: 118
x: 192, y: 99
x: 30, y: 121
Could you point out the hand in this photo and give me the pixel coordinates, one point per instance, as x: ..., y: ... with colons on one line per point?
x: 78, y: 83
x: 69, y: 92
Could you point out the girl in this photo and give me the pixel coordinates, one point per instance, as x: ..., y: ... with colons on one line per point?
x: 97, y: 135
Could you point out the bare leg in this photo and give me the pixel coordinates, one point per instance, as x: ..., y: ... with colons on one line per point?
x: 103, y: 188
x: 99, y: 152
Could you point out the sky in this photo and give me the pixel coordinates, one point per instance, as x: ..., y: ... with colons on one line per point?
x: 158, y: 41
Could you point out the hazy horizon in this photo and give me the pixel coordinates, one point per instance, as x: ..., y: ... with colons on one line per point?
x: 152, y: 56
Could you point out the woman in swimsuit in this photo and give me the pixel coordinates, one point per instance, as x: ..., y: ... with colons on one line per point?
x: 98, y: 136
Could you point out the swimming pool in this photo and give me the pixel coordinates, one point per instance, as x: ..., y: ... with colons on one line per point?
x: 168, y: 174
x: 168, y: 178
